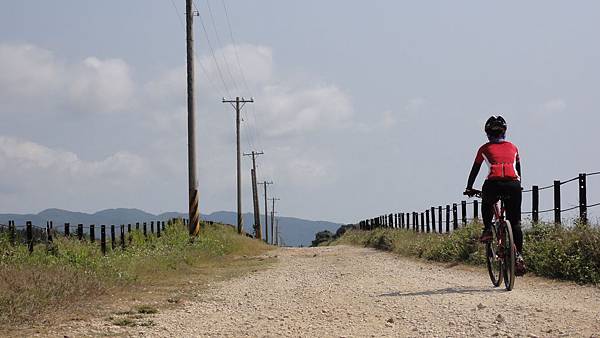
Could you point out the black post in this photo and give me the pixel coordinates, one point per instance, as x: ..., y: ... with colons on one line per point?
x: 80, y: 232
x: 92, y: 233
x: 158, y: 229
x: 455, y: 216
x: 152, y: 227
x: 557, y: 219
x: 535, y: 203
x: 433, y: 219
x: 476, y: 209
x: 422, y: 222
x: 49, y: 231
x: 29, y: 234
x: 416, y: 221
x: 440, y: 221
x: 163, y: 225
x: 145, y: 230
x: 137, y: 226
x: 103, y: 239
x: 67, y: 229
x: 12, y: 232
x: 427, y: 221
x: 447, y: 218
x: 112, y: 237
x: 463, y: 206
x: 123, y: 237
x: 582, y: 199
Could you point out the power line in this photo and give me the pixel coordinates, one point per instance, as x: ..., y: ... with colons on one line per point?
x: 227, y: 66
x: 212, y: 51
x: 237, y: 56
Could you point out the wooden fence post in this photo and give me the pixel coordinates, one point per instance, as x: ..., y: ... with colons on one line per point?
x: 535, y: 204
x: 80, y: 231
x: 158, y: 229
x: 92, y: 233
x: 137, y: 226
x: 433, y: 223
x: 163, y: 225
x: 447, y: 218
x: 152, y: 227
x: 103, y: 239
x: 455, y: 216
x: 145, y: 230
x: 123, y: 237
x: 422, y: 222
x: 476, y: 210
x: 557, y: 218
x: 48, y: 232
x: 67, y: 230
x: 463, y: 206
x: 12, y: 235
x: 427, y: 221
x: 440, y: 221
x: 112, y: 237
x: 582, y: 199
x: 29, y: 234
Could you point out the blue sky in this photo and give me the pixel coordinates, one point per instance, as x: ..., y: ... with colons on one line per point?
x: 361, y: 107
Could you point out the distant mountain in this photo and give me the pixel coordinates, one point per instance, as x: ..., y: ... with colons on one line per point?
x: 294, y: 231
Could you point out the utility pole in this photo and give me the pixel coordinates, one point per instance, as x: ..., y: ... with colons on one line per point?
x: 277, y: 231
x: 257, y: 228
x: 265, y: 183
x: 239, y: 104
x: 273, y: 219
x: 194, y: 224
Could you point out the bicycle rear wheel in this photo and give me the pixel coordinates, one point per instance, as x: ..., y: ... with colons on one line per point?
x: 509, y: 256
x: 494, y: 263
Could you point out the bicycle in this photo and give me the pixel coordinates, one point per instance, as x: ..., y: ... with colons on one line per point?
x: 500, y: 250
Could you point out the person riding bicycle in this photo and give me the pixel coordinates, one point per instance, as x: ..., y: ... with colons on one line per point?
x: 504, y: 179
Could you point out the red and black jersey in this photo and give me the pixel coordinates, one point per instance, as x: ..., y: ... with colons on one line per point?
x: 501, y: 158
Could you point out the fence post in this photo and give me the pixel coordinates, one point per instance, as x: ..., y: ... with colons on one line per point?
x: 158, y: 229
x: 475, y: 210
x: 463, y: 206
x: 447, y: 218
x: 582, y: 199
x: 152, y: 227
x: 137, y: 226
x: 92, y: 233
x: 145, y: 230
x: 535, y: 203
x: 80, y: 232
x: 433, y: 219
x: 440, y: 221
x: 12, y: 232
x: 557, y: 219
x: 49, y: 232
x: 163, y: 225
x: 29, y: 234
x: 103, y: 239
x: 112, y: 237
x: 427, y: 221
x: 67, y: 229
x: 455, y: 216
x: 129, y: 228
x: 123, y: 237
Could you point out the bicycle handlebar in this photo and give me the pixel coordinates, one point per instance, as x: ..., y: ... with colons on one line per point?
x: 472, y: 192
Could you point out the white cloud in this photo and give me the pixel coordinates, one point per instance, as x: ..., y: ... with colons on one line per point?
x: 34, y: 81
x: 19, y: 157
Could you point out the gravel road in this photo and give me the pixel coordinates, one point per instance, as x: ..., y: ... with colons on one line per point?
x: 346, y: 291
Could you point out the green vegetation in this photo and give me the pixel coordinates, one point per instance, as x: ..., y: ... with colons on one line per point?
x: 75, y: 271
x: 550, y: 251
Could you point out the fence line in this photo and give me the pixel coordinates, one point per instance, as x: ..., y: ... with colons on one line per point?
x: 427, y: 217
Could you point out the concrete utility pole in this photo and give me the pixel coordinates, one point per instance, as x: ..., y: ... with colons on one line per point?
x: 239, y: 104
x: 257, y: 228
x: 194, y: 224
x: 273, y: 219
x: 265, y: 183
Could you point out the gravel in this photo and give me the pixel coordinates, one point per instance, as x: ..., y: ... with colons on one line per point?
x: 346, y: 291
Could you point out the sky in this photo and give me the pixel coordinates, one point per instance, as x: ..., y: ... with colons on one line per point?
x: 361, y: 108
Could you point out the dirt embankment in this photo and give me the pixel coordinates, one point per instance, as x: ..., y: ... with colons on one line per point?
x: 357, y: 292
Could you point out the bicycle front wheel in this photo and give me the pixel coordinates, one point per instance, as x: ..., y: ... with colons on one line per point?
x: 508, y: 246
x: 494, y: 262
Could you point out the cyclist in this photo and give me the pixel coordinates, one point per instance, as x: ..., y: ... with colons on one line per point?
x: 504, y: 178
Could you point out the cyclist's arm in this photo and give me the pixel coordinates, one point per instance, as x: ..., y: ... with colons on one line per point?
x: 473, y: 175
x: 518, y: 166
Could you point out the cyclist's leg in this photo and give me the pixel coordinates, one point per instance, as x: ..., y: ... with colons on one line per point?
x: 513, y: 211
x: 489, y: 196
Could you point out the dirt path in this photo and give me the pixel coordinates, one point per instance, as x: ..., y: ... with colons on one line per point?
x: 355, y: 292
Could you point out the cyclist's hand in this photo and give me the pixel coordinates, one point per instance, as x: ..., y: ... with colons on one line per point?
x: 470, y: 192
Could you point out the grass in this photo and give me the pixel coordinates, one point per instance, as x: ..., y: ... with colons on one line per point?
x: 75, y: 272
x: 549, y: 250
